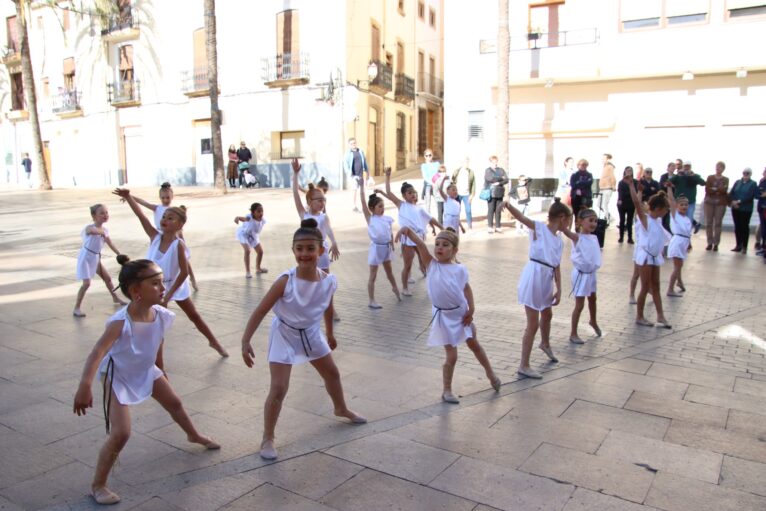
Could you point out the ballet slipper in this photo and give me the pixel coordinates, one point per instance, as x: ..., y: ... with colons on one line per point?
x: 268, y: 451
x: 396, y: 292
x: 262, y: 270
x: 335, y: 316
x: 374, y: 305
x: 575, y: 340
x: 104, y: 496
x: 529, y: 373
x: 632, y: 300
x: 78, y: 313
x: 449, y: 397
x: 674, y: 294
x: 206, y: 442
x: 596, y: 329
x: 410, y: 280
x: 644, y: 322
x: 663, y: 323
x: 351, y: 416
x: 548, y: 351
x: 681, y: 288
x: 495, y: 382
x: 406, y: 292
x: 248, y: 275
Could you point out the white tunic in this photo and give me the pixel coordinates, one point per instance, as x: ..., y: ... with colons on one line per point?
x: 415, y: 218
x: 168, y: 262
x: 636, y: 236
x: 379, y: 230
x: 321, y: 218
x: 452, y: 214
x: 446, y: 288
x: 649, y: 242
x: 681, y: 226
x: 586, y: 260
x: 296, y: 336
x: 159, y: 210
x: 134, y: 355
x: 248, y: 232
x: 536, y: 282
x: 90, y: 253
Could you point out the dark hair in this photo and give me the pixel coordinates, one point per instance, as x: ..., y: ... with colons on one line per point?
x: 254, y: 206
x: 166, y: 186
x: 323, y: 184
x: 658, y: 200
x: 180, y: 211
x: 373, y: 200
x: 558, y: 209
x: 585, y: 213
x: 628, y: 168
x: 567, y: 159
x: 94, y: 208
x: 406, y: 187
x: 308, y: 229
x: 130, y: 273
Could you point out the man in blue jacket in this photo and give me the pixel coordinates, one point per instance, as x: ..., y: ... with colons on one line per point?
x: 355, y: 164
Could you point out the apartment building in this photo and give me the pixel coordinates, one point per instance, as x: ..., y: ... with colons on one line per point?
x: 645, y: 80
x: 124, y: 98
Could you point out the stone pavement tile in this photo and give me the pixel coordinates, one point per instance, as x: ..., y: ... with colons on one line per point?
x: 312, y: 476
x: 724, y: 399
x: 48, y: 421
x: 11, y: 357
x: 587, y: 500
x: 155, y: 504
x: 502, y: 487
x: 370, y: 409
x: 743, y: 475
x: 532, y: 401
x: 224, y: 403
x: 24, y: 458
x: 719, y: 440
x: 14, y: 396
x: 610, y: 417
x: 695, y: 376
x: 373, y: 490
x: 39, y: 372
x: 631, y: 365
x: 581, y: 436
x: 595, y: 392
x: 397, y: 456
x: 677, y: 409
x: 213, y: 494
x: 613, y: 477
x: 644, y: 383
x: 235, y: 441
x: 184, y: 385
x: 7, y: 505
x: 677, y: 493
x: 665, y: 456
x: 272, y: 498
x: 749, y: 386
x: 747, y: 423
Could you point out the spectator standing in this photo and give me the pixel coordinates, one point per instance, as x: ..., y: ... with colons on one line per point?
x: 716, y: 199
x: 607, y: 184
x: 439, y: 183
x: 685, y: 184
x: 625, y: 206
x: 27, y: 164
x: 428, y: 169
x: 581, y: 184
x: 355, y: 165
x: 651, y: 185
x: 762, y: 212
x: 231, y: 171
x: 495, y: 179
x: 563, y: 190
x: 243, y: 161
x: 742, y: 196
x: 465, y: 180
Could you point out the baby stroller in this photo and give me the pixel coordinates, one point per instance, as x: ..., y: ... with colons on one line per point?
x: 520, y: 193
x: 601, y: 223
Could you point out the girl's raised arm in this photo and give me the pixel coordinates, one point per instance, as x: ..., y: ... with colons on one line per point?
x: 145, y: 223
x: 263, y: 308
x: 145, y: 204
x: 363, y: 197
x: 238, y: 219
x: 83, y: 399
x: 518, y: 215
x: 420, y: 245
x: 393, y: 198
x: 636, y: 198
x: 298, y: 203
x: 569, y: 234
x: 441, y: 188
x: 671, y: 199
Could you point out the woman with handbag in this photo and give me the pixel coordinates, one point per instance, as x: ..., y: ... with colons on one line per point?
x: 231, y: 171
x: 742, y: 196
x: 495, y: 180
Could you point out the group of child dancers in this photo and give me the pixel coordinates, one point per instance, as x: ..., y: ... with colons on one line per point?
x: 128, y: 356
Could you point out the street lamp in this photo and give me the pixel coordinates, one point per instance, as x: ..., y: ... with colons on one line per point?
x: 372, y: 73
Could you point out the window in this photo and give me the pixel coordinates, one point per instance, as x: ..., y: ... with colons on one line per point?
x: 422, y: 10
x: 375, y: 43
x: 400, y: 7
x: 13, y: 38
x: 399, y: 57
x: 126, y: 64
x: 476, y: 124
x: 46, y: 88
x: 744, y: 8
x: 17, y: 92
x: 432, y: 17
x: 41, y: 23
x: 288, y: 45
x: 637, y: 14
x: 544, y: 21
x: 400, y: 132
x: 421, y: 70
x: 69, y: 74
x: 290, y: 143
x: 206, y: 146
x: 200, y: 81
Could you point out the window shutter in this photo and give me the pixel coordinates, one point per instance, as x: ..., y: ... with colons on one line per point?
x: 640, y: 9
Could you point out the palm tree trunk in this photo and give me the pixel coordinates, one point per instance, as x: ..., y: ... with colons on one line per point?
x: 215, y: 114
x: 30, y: 95
x: 503, y: 96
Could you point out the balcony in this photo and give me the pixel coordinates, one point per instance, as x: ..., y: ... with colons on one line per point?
x: 124, y: 93
x: 431, y: 85
x: 120, y: 27
x: 11, y: 55
x: 383, y: 81
x: 285, y: 70
x: 405, y: 88
x: 195, y: 84
x: 67, y: 104
x: 16, y: 115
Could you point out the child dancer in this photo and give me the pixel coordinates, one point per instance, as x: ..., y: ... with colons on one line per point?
x: 417, y: 219
x: 300, y: 297
x: 536, y: 286
x: 636, y: 248
x: 586, y: 260
x: 452, y: 320
x: 126, y: 357
x: 166, y: 198
x: 651, y: 240
x: 680, y: 243
x: 89, y: 260
x: 381, y: 243
x: 248, y: 235
x: 451, y: 207
x: 169, y: 252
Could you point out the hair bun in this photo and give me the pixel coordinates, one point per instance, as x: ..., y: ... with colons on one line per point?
x: 557, y: 199
x: 165, y: 185
x: 182, y: 207
x: 309, y: 223
x: 450, y: 229
x: 122, y: 259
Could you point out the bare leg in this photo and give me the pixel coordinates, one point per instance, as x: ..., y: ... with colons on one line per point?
x: 192, y: 278
x: 633, y: 281
x: 191, y: 312
x: 673, y: 277
x: 448, y: 370
x: 165, y: 396
x: 119, y: 417
x: 101, y: 271
x: 592, y: 310
x: 327, y: 369
x: 545, y: 327
x: 280, y: 382
x: 259, y: 259
x: 533, y: 322
x: 654, y: 283
x: 645, y: 274
x: 408, y: 254
x: 390, y: 275
x: 80, y: 295
x: 371, y: 286
x: 246, y: 249
x: 481, y: 356
x: 579, y: 306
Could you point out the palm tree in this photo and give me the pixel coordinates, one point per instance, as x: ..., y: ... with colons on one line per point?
x: 30, y: 94
x: 215, y: 113
x: 503, y: 97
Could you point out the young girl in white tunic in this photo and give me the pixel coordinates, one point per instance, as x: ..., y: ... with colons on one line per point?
x: 680, y: 243
x: 415, y: 218
x: 452, y: 306
x: 94, y: 236
x: 451, y: 207
x: 651, y: 239
x: 128, y: 360
x: 381, y: 243
x: 300, y: 298
x: 169, y: 252
x: 166, y: 200
x: 249, y: 236
x: 536, y: 286
x: 586, y: 260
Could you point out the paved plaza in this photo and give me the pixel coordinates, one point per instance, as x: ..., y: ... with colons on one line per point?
x: 641, y: 418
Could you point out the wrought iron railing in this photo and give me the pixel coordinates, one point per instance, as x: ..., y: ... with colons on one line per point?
x: 405, y: 88
x: 66, y: 101
x: 286, y: 66
x: 384, y: 79
x: 117, y: 22
x: 430, y: 84
x: 540, y: 40
x: 124, y: 91
x: 193, y: 81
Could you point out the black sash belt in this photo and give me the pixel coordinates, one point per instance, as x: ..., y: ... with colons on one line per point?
x: 107, y: 399
x: 304, y: 337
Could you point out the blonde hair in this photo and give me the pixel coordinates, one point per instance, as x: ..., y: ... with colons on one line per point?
x: 310, y: 192
x: 451, y: 237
